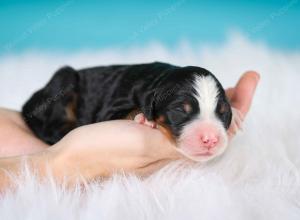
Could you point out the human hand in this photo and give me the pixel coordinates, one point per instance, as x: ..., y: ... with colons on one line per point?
x: 240, y: 98
x: 114, y: 146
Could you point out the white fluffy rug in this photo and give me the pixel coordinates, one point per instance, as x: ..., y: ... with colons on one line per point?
x: 257, y: 178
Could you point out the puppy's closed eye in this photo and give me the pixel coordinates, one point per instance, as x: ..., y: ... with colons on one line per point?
x: 187, y: 107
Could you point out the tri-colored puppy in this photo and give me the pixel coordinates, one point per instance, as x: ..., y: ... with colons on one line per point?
x: 188, y: 103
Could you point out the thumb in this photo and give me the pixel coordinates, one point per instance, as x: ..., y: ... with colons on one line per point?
x: 242, y: 96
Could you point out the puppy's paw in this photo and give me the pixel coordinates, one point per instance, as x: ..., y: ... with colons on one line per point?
x: 141, y: 119
x: 236, y: 122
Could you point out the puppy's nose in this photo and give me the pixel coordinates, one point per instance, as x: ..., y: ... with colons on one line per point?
x: 209, y: 140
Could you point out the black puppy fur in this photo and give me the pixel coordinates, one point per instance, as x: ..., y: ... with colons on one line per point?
x: 74, y: 98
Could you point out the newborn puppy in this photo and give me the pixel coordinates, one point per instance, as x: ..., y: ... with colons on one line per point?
x: 187, y: 103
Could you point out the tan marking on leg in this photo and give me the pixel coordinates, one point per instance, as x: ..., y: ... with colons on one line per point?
x: 71, y: 115
x: 166, y: 131
x: 71, y: 109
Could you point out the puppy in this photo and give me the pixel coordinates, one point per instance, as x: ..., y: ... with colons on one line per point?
x: 187, y: 103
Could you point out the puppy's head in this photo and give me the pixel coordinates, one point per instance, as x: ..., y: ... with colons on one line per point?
x: 191, y: 103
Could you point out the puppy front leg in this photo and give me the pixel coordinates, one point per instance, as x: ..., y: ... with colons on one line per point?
x: 141, y: 119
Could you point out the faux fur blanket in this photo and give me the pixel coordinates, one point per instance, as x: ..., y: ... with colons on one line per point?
x: 257, y: 178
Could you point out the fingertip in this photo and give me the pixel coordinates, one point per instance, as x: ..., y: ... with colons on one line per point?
x: 251, y: 74
x: 248, y: 81
x: 244, y: 91
x: 229, y: 93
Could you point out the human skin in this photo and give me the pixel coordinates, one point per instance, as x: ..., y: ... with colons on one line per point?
x: 100, y: 149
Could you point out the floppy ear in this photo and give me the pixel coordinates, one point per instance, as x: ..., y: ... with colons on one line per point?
x: 155, y: 100
x: 149, y: 105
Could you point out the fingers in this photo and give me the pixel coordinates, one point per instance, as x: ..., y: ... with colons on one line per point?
x: 242, y: 95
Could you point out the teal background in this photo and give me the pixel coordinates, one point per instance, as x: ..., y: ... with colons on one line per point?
x: 73, y: 25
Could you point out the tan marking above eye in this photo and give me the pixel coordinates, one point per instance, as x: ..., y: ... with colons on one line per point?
x: 161, y: 119
x: 223, y: 108
x: 187, y: 107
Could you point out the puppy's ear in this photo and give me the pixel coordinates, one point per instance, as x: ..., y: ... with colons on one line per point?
x: 155, y: 101
x: 149, y: 105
